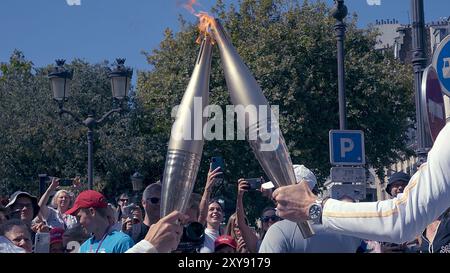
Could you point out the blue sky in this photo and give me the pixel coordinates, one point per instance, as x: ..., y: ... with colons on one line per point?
x: 100, y: 30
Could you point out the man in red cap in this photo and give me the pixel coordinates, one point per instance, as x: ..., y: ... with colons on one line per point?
x: 91, y: 209
x: 225, y: 244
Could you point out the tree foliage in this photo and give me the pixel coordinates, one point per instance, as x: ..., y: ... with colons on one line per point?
x: 35, y: 139
x: 291, y: 49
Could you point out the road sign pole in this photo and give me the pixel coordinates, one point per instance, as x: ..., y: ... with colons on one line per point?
x: 347, y: 155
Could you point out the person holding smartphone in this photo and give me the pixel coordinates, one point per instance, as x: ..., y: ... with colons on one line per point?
x: 268, y: 216
x: 211, y: 211
x: 54, y: 214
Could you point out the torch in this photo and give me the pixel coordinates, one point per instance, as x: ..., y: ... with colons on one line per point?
x: 186, y: 140
x: 260, y: 126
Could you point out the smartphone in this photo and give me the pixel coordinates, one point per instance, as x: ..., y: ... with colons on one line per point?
x: 254, y: 183
x: 65, y: 182
x: 42, y: 242
x: 216, y: 162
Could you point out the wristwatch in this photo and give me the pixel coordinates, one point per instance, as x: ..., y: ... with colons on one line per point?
x: 315, y: 212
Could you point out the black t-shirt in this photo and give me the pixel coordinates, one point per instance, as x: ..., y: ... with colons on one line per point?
x: 144, y: 230
x: 441, y: 242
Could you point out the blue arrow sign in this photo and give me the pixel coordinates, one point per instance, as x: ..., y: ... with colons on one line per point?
x: 347, y: 147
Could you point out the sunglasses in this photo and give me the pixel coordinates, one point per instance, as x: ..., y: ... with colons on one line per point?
x: 274, y: 218
x: 154, y: 200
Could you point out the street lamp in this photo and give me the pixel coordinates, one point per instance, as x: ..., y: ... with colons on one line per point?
x: 137, y: 181
x: 419, y: 61
x: 60, y: 79
x: 339, y: 12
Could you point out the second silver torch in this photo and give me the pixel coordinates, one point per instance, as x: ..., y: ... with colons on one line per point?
x: 260, y: 126
x: 186, y: 140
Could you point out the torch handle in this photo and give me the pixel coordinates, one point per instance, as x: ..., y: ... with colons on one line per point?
x: 305, y: 229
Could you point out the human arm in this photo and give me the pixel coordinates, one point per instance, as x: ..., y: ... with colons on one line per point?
x: 43, y: 211
x: 212, y: 174
x: 250, y: 238
x: 396, y: 220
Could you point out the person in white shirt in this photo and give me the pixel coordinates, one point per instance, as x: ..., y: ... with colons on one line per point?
x: 212, y: 230
x: 285, y: 236
x: 211, y: 212
x: 395, y: 220
x: 55, y: 215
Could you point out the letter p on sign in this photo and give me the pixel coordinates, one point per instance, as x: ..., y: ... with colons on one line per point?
x: 347, y: 147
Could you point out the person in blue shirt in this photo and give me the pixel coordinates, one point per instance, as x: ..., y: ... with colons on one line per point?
x: 91, y: 209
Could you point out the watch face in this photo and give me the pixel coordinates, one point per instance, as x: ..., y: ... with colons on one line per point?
x: 315, y: 211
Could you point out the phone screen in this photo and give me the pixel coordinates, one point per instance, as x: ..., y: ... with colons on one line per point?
x: 42, y: 242
x: 216, y: 162
x: 66, y: 182
x: 255, y: 183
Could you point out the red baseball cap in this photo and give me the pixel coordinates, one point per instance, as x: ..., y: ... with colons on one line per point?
x: 88, y: 199
x: 225, y: 240
x: 56, y: 235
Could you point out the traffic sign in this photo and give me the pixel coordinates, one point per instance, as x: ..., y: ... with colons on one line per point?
x: 347, y: 147
x: 441, y: 62
x: 433, y: 109
x: 355, y: 191
x: 348, y: 174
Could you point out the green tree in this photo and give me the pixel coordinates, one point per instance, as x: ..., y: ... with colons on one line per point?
x: 35, y: 139
x: 290, y: 48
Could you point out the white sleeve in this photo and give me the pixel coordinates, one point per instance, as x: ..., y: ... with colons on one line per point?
x: 400, y: 219
x: 143, y: 246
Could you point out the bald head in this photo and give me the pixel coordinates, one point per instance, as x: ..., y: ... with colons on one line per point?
x: 152, y: 190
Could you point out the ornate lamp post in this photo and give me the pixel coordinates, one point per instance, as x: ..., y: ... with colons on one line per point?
x: 419, y: 61
x: 60, y: 79
x: 137, y: 181
x: 339, y: 12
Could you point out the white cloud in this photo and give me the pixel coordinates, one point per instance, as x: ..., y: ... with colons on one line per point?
x: 373, y: 2
x: 73, y: 2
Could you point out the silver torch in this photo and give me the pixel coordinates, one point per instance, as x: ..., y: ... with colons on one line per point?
x: 260, y: 126
x: 186, y: 140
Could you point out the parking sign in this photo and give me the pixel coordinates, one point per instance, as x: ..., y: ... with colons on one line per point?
x: 347, y: 147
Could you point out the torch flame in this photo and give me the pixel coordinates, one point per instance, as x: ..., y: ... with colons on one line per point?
x: 204, y: 26
x: 206, y: 20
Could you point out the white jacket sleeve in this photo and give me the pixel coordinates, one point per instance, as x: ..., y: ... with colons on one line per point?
x: 400, y: 219
x: 142, y: 247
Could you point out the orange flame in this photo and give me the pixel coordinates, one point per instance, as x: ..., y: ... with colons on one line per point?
x: 205, y: 19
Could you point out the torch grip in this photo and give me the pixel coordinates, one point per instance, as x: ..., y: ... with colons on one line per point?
x: 305, y: 229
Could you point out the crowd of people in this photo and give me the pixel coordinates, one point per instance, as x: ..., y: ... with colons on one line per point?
x: 89, y: 224
x: 69, y: 220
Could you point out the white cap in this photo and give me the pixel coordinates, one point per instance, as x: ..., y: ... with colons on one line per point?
x: 303, y: 173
